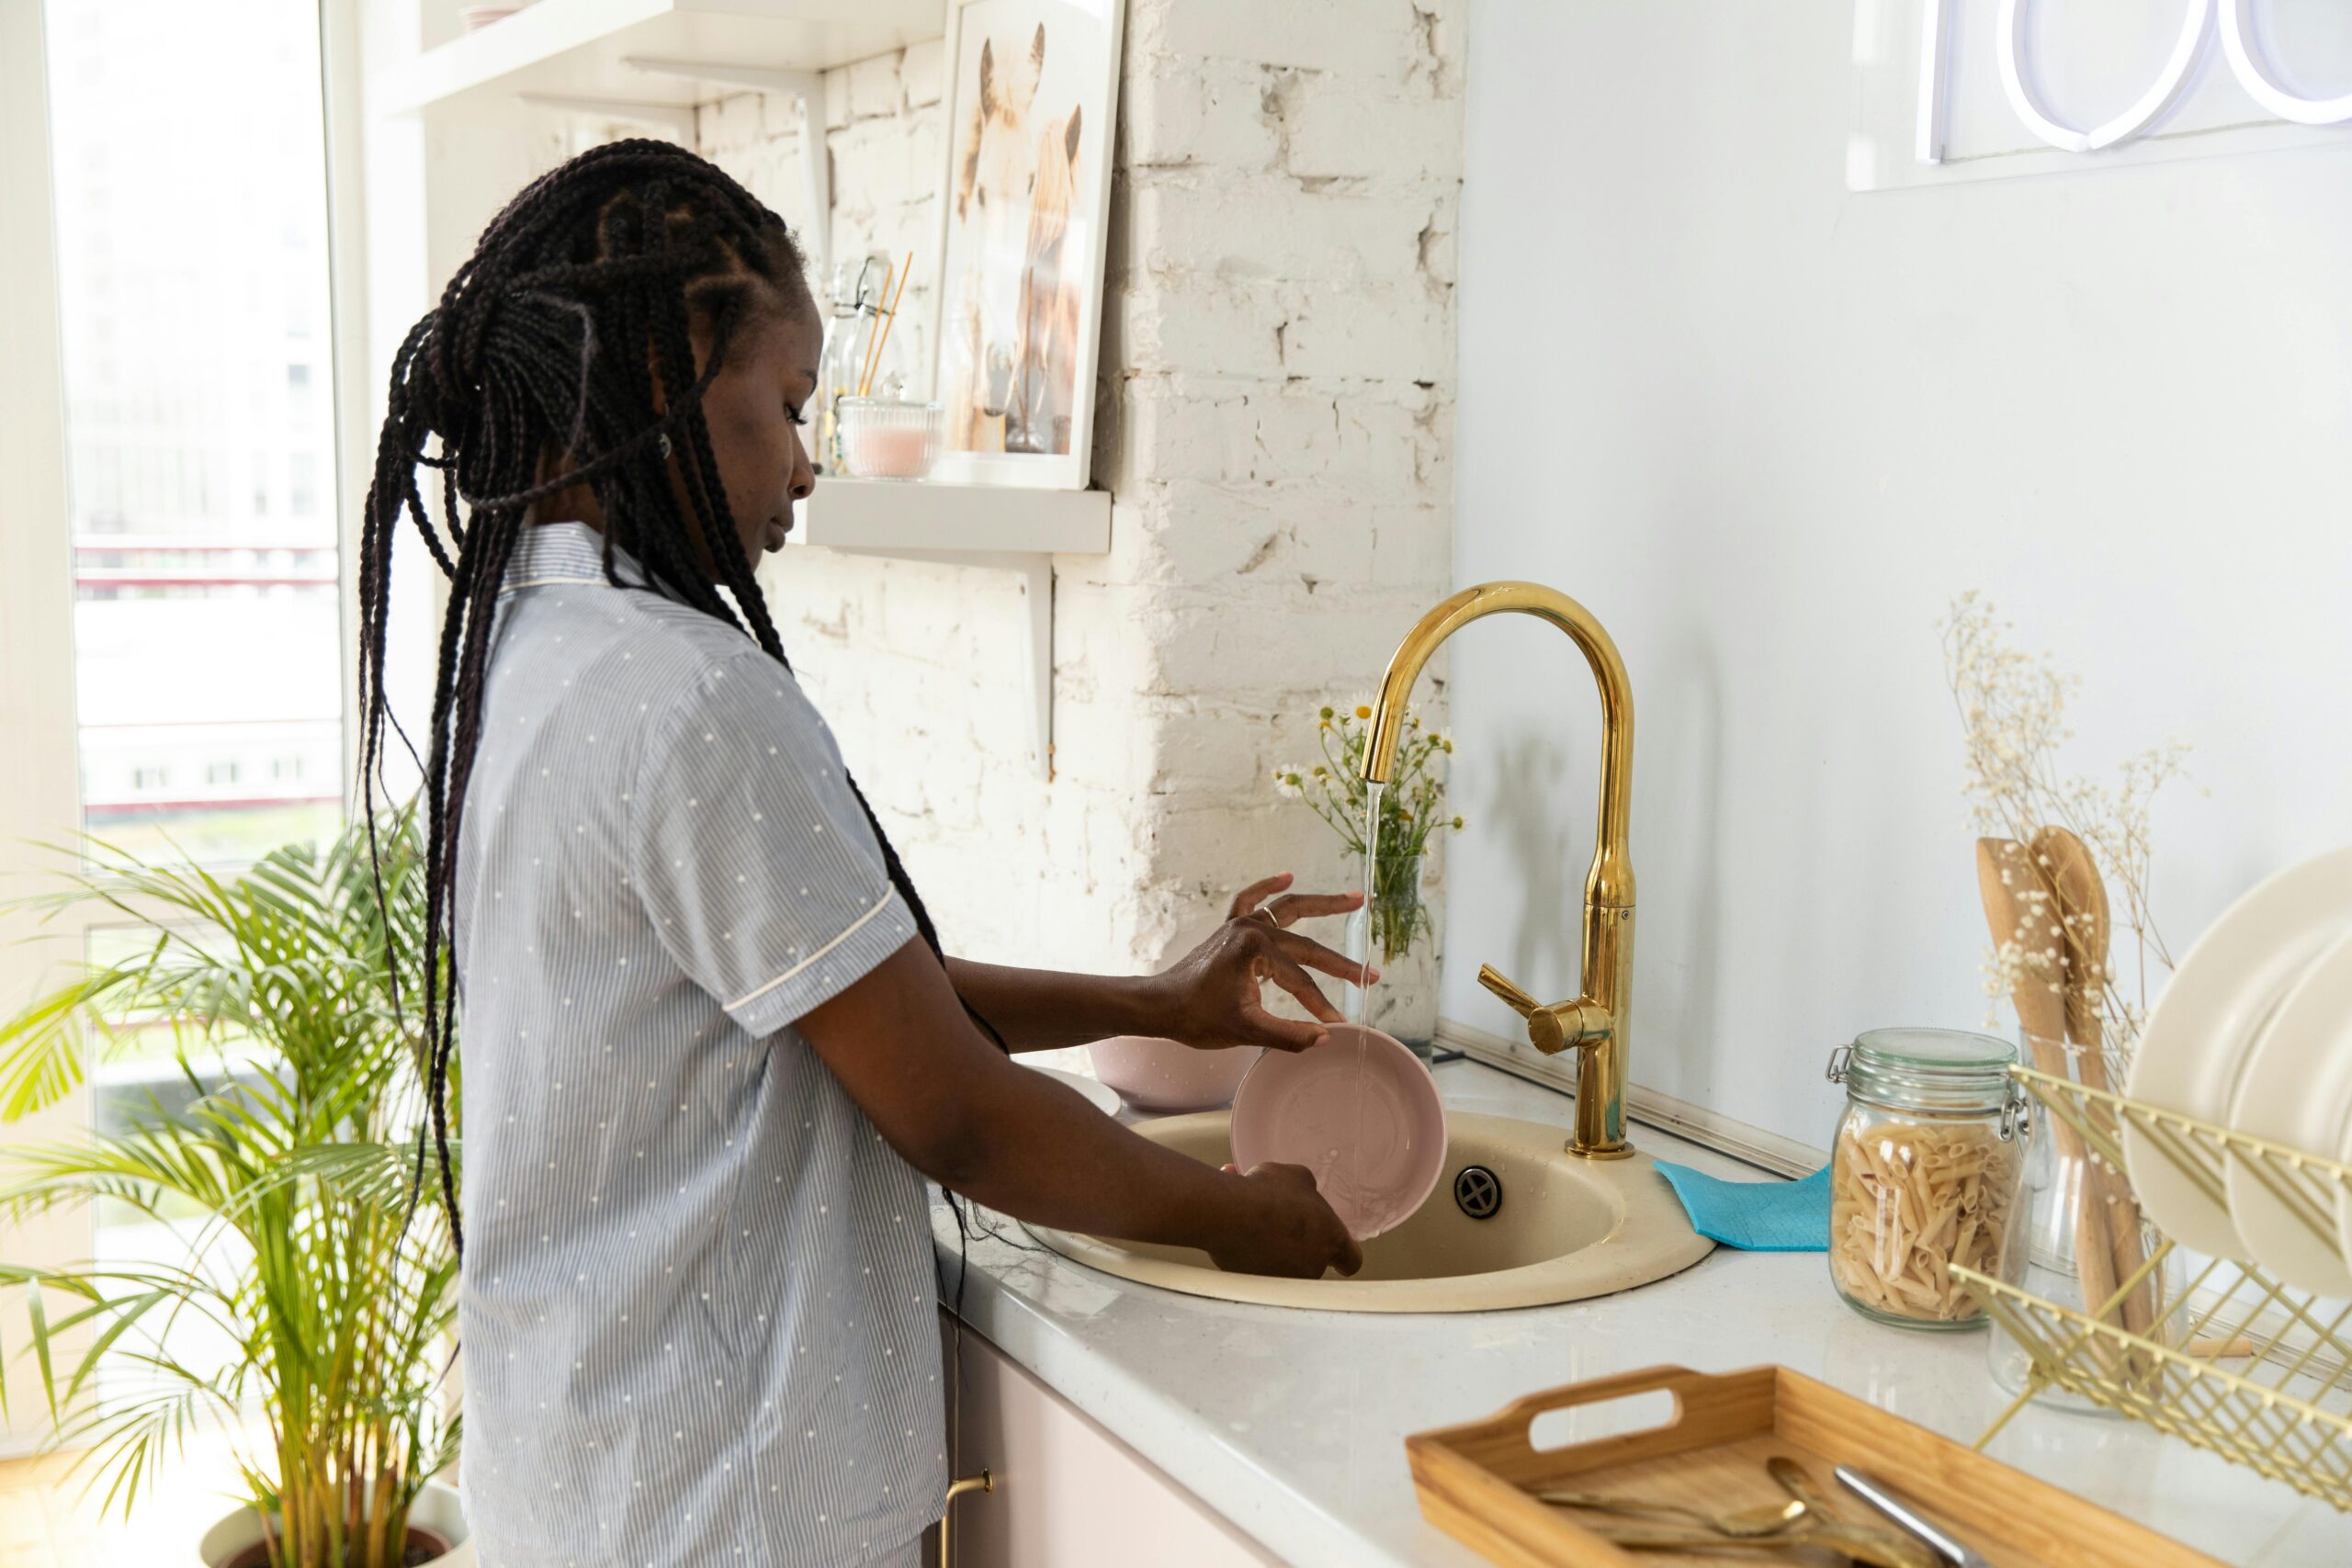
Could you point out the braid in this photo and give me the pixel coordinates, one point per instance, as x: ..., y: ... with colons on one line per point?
x: 569, y: 331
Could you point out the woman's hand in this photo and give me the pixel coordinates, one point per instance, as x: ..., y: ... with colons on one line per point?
x: 1210, y: 999
x: 1289, y: 1230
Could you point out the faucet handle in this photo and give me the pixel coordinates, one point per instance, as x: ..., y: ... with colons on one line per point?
x: 1519, y: 1001
x: 1553, y: 1028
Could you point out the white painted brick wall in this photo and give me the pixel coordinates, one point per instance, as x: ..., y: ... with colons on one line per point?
x: 1276, y: 399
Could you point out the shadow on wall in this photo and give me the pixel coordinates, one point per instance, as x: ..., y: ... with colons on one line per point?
x: 1684, y: 940
x: 1544, y: 805
x: 1551, y: 859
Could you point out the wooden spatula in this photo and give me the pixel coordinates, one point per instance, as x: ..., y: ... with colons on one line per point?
x: 2020, y: 908
x: 2066, y: 862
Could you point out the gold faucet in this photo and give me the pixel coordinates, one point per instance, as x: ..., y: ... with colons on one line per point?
x: 1596, y: 1023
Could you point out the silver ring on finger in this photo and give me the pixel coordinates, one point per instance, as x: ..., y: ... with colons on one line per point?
x: 1266, y: 913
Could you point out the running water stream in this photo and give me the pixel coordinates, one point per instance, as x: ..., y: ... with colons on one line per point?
x: 1331, y: 1172
x: 1359, y: 1004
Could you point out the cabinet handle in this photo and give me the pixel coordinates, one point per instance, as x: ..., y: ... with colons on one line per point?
x: 984, y: 1482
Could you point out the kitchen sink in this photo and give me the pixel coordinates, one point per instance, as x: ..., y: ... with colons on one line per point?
x: 1515, y: 1221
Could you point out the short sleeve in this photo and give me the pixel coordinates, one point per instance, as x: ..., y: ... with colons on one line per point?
x: 750, y: 852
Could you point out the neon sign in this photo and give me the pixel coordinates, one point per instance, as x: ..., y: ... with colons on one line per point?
x: 2173, y: 82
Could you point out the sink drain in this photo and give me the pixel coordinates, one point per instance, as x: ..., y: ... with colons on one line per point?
x: 1477, y: 1192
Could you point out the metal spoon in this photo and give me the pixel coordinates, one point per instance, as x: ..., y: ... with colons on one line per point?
x: 1748, y: 1523
x: 1855, y: 1545
x: 1826, y: 1528
x: 1793, y: 1480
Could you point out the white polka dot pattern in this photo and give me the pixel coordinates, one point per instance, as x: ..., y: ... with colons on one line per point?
x: 666, y: 1193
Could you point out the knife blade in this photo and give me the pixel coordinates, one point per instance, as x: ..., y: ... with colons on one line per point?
x: 1940, y: 1542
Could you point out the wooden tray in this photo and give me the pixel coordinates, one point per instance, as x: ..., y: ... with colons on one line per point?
x: 1709, y: 1455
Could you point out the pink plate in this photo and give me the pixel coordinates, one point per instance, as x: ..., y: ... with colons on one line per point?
x: 1361, y: 1112
x: 1163, y: 1076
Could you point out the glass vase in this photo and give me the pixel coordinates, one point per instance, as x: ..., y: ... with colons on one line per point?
x: 1396, y: 932
x: 2083, y: 1221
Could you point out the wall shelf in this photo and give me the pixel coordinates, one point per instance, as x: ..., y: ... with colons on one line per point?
x: 582, y: 51
x: 990, y: 525
x: 894, y: 516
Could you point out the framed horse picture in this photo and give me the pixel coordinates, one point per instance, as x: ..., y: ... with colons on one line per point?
x: 1032, y: 89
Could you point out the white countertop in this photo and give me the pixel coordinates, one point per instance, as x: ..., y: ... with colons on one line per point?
x: 1292, y: 1424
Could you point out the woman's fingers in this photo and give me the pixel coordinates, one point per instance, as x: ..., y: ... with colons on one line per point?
x: 1313, y: 955
x: 1292, y: 907
x: 1246, y: 901
x: 1283, y: 971
x: 1279, y: 1033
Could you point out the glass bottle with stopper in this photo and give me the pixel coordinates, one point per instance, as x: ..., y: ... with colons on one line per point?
x: 856, y: 300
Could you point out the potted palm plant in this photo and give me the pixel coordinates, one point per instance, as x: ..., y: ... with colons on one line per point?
x: 309, y: 1293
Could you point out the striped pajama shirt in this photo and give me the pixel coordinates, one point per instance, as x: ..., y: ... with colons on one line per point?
x: 698, y: 1304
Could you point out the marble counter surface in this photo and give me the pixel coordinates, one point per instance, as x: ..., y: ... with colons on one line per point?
x: 1291, y: 1424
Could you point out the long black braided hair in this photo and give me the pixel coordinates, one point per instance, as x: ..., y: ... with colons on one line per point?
x: 561, y: 354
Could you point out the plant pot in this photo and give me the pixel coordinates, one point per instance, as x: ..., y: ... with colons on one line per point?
x: 1164, y: 1075
x: 435, y: 1514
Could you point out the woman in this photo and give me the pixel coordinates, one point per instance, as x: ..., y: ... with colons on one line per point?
x: 712, y: 1038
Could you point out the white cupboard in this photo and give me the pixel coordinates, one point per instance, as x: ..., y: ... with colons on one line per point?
x: 1069, y: 1494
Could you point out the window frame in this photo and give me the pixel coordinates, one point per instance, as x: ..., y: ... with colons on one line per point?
x: 40, y: 796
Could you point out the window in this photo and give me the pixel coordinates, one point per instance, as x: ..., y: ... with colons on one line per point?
x: 184, y: 684
x: 207, y: 629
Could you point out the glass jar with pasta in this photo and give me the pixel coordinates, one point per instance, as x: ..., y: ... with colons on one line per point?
x: 1926, y: 1172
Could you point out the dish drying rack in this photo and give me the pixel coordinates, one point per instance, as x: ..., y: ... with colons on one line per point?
x: 2240, y: 1362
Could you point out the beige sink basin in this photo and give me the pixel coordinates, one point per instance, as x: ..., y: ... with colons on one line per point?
x: 1565, y: 1229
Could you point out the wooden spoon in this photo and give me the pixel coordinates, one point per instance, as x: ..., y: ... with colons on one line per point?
x: 2022, y: 909
x: 2066, y: 862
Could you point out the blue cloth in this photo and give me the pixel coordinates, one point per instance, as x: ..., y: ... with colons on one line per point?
x: 1756, y: 1216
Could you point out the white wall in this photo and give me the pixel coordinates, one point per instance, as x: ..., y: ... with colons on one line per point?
x: 1766, y: 429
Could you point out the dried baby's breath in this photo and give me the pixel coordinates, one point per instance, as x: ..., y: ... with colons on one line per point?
x: 2013, y: 714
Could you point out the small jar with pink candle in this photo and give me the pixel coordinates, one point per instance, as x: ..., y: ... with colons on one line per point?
x: 883, y: 438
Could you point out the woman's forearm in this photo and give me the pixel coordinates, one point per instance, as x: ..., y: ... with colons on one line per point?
x: 1048, y: 1156
x: 1020, y: 1141
x: 1042, y: 1009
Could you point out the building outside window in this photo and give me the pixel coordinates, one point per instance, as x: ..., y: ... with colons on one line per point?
x: 207, y: 630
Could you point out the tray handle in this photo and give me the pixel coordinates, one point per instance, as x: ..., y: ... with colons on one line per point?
x: 1708, y: 1407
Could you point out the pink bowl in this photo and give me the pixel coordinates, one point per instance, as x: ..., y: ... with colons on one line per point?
x: 1162, y: 1075
x: 1361, y: 1112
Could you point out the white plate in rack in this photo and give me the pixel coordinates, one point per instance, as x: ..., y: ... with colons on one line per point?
x: 2298, y: 1091
x: 2203, y: 1027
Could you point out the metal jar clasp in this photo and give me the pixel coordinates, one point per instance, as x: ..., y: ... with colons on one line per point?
x: 2016, y: 1114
